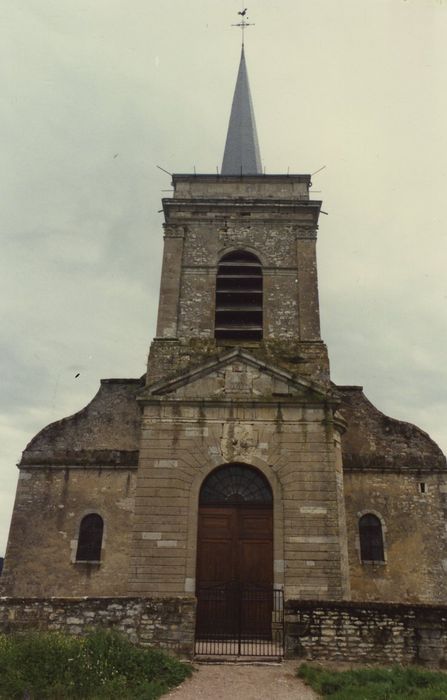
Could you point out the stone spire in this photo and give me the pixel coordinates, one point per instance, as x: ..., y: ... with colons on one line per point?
x: 242, y: 156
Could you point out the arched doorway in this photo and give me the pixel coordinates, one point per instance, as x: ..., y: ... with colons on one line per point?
x: 235, y: 538
x: 235, y: 595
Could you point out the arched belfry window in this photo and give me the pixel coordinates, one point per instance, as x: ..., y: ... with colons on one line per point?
x: 90, y: 538
x: 371, y: 538
x: 239, y: 297
x: 235, y: 484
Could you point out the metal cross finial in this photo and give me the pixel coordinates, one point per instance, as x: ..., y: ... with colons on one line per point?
x: 243, y: 23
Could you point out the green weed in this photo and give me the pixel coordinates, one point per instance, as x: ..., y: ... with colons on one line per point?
x: 396, y: 683
x: 103, y: 665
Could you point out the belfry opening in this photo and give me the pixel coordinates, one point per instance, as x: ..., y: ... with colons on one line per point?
x: 239, y: 297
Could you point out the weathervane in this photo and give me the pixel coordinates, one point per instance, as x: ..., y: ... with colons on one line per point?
x: 243, y: 23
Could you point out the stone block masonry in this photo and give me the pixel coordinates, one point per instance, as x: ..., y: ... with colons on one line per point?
x: 381, y: 633
x: 167, y: 623
x: 292, y: 446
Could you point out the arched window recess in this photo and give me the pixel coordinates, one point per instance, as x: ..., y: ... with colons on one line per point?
x: 371, y: 538
x: 90, y: 538
x: 239, y: 297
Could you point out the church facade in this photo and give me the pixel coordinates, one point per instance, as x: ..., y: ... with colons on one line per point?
x: 235, y: 458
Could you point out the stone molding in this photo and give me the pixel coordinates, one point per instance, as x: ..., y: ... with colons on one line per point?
x: 306, y: 233
x: 174, y: 231
x: 85, y: 459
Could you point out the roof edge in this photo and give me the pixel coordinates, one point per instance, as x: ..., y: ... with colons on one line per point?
x: 216, y: 177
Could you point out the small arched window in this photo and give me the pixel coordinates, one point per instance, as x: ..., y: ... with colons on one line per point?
x: 239, y: 297
x: 371, y: 538
x: 90, y: 538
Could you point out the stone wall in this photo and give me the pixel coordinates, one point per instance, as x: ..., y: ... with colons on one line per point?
x: 104, y: 434
x: 49, y: 506
x: 81, y: 464
x: 394, y: 470
x: 376, y: 441
x: 231, y: 187
x: 410, y: 507
x: 275, y: 245
x: 170, y: 357
x: 167, y: 623
x: 366, y: 632
x: 320, y: 631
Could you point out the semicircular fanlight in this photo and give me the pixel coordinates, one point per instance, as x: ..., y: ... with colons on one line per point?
x: 233, y: 484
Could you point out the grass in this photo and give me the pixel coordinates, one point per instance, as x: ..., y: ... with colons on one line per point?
x: 103, y: 665
x: 395, y: 683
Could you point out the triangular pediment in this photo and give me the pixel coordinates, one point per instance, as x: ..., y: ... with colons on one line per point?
x: 235, y: 375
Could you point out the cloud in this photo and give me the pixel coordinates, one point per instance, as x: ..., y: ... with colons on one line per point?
x: 358, y: 87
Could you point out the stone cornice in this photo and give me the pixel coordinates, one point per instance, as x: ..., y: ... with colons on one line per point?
x: 94, y: 459
x: 392, y: 468
x: 214, y: 177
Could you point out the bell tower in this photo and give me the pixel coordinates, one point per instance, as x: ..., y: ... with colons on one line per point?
x: 239, y: 265
x: 240, y: 251
x: 238, y: 380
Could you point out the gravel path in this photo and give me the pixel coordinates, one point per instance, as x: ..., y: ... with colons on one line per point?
x: 240, y: 682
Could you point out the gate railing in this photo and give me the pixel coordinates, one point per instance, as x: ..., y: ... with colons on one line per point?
x: 237, y: 619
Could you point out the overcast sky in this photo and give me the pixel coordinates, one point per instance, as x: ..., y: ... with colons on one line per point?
x: 96, y: 93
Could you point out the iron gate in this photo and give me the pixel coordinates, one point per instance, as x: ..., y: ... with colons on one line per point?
x: 237, y: 619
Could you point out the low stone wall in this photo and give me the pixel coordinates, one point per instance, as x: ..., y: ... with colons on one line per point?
x: 167, y: 622
x: 383, y: 633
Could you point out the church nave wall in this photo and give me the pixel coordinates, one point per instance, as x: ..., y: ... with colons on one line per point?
x: 43, y: 542
x: 410, y: 507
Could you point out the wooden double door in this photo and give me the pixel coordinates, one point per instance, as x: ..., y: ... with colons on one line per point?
x: 235, y: 570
